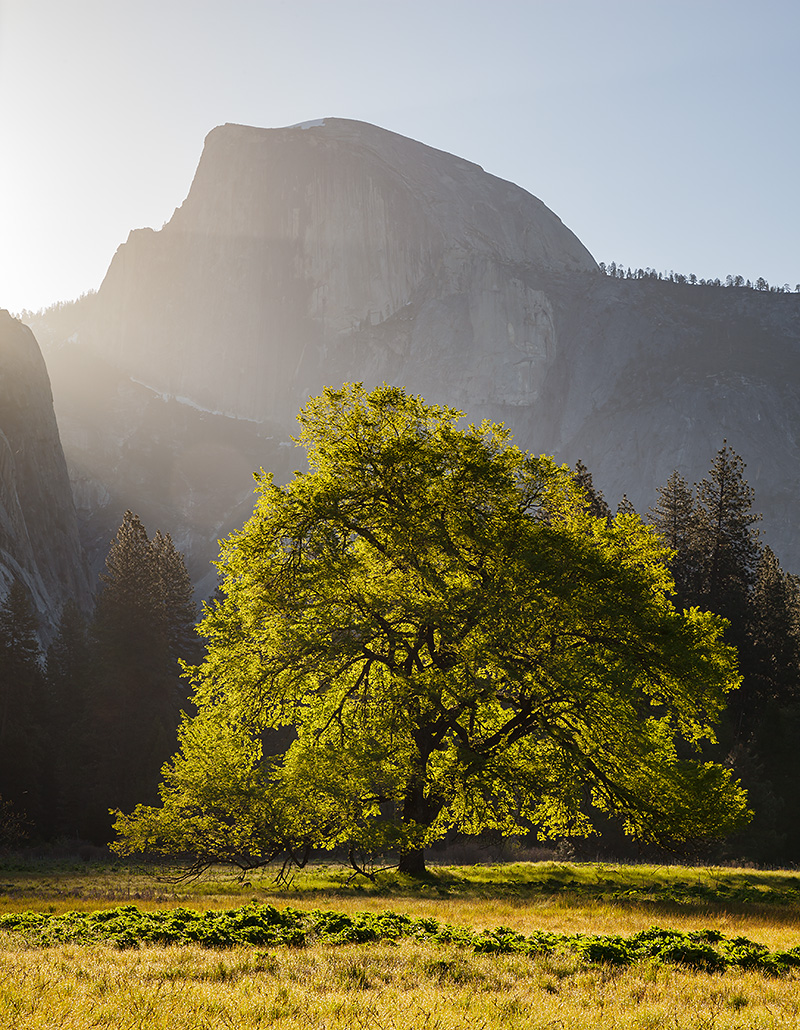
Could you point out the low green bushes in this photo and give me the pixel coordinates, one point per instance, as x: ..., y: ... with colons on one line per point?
x: 267, y: 926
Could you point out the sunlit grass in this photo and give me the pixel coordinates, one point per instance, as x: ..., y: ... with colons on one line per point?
x: 384, y: 986
x: 407, y: 984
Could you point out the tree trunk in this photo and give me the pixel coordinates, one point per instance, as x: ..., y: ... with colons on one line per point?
x: 413, y: 862
x: 420, y: 810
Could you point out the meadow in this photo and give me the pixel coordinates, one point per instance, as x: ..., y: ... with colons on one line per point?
x: 525, y: 945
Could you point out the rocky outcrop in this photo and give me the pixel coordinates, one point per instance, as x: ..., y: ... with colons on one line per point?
x: 337, y: 251
x: 39, y: 543
x: 304, y: 256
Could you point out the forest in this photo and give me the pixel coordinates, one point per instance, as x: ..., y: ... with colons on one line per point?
x: 86, y: 725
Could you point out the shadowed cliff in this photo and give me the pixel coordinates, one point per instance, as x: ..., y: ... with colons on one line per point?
x: 39, y: 544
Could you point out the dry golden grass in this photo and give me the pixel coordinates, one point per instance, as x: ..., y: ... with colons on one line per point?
x: 385, y: 986
x: 381, y: 987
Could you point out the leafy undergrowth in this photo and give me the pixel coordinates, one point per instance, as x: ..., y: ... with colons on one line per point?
x: 265, y: 925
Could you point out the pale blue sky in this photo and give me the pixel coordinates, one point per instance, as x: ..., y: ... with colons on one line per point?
x: 662, y: 133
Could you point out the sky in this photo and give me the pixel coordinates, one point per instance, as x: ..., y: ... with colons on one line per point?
x: 664, y: 134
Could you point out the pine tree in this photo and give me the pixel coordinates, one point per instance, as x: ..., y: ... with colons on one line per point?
x: 712, y: 532
x: 128, y: 614
x: 772, y: 653
x: 719, y: 565
x: 727, y: 543
x: 21, y: 704
x: 598, y: 506
x: 673, y: 515
x: 69, y: 675
x: 142, y: 623
x: 625, y: 507
x: 766, y: 710
x: 177, y: 597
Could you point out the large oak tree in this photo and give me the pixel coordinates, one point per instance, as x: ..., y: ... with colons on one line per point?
x: 455, y: 642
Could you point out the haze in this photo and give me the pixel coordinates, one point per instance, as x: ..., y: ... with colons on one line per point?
x: 663, y: 134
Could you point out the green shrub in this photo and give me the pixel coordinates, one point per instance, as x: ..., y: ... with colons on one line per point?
x: 265, y: 926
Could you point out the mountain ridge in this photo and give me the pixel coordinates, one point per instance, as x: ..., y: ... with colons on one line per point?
x: 306, y: 257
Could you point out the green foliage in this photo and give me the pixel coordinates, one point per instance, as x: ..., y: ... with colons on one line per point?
x: 455, y: 641
x: 711, y: 533
x: 220, y: 800
x: 267, y: 926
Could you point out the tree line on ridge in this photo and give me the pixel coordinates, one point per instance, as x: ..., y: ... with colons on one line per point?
x: 615, y: 271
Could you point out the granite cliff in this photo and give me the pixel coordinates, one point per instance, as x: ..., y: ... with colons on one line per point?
x: 304, y: 256
x: 337, y: 251
x: 39, y: 542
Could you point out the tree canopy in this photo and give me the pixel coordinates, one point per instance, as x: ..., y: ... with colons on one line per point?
x: 430, y: 630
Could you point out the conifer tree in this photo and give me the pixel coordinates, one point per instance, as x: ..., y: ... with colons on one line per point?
x: 625, y: 507
x: 128, y: 611
x: 772, y: 652
x: 21, y: 702
x: 673, y: 515
x: 69, y: 675
x: 726, y: 540
x: 765, y: 713
x: 717, y: 553
x: 719, y: 563
x: 143, y: 619
x: 598, y: 506
x: 176, y: 597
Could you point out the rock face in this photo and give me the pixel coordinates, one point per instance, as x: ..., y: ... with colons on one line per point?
x: 338, y: 251
x: 307, y: 255
x: 651, y: 376
x: 39, y: 542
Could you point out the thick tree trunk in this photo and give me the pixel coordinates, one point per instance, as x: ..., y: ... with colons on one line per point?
x: 413, y: 863
x: 421, y: 810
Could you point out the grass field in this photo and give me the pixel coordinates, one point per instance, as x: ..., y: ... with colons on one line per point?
x: 392, y: 984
